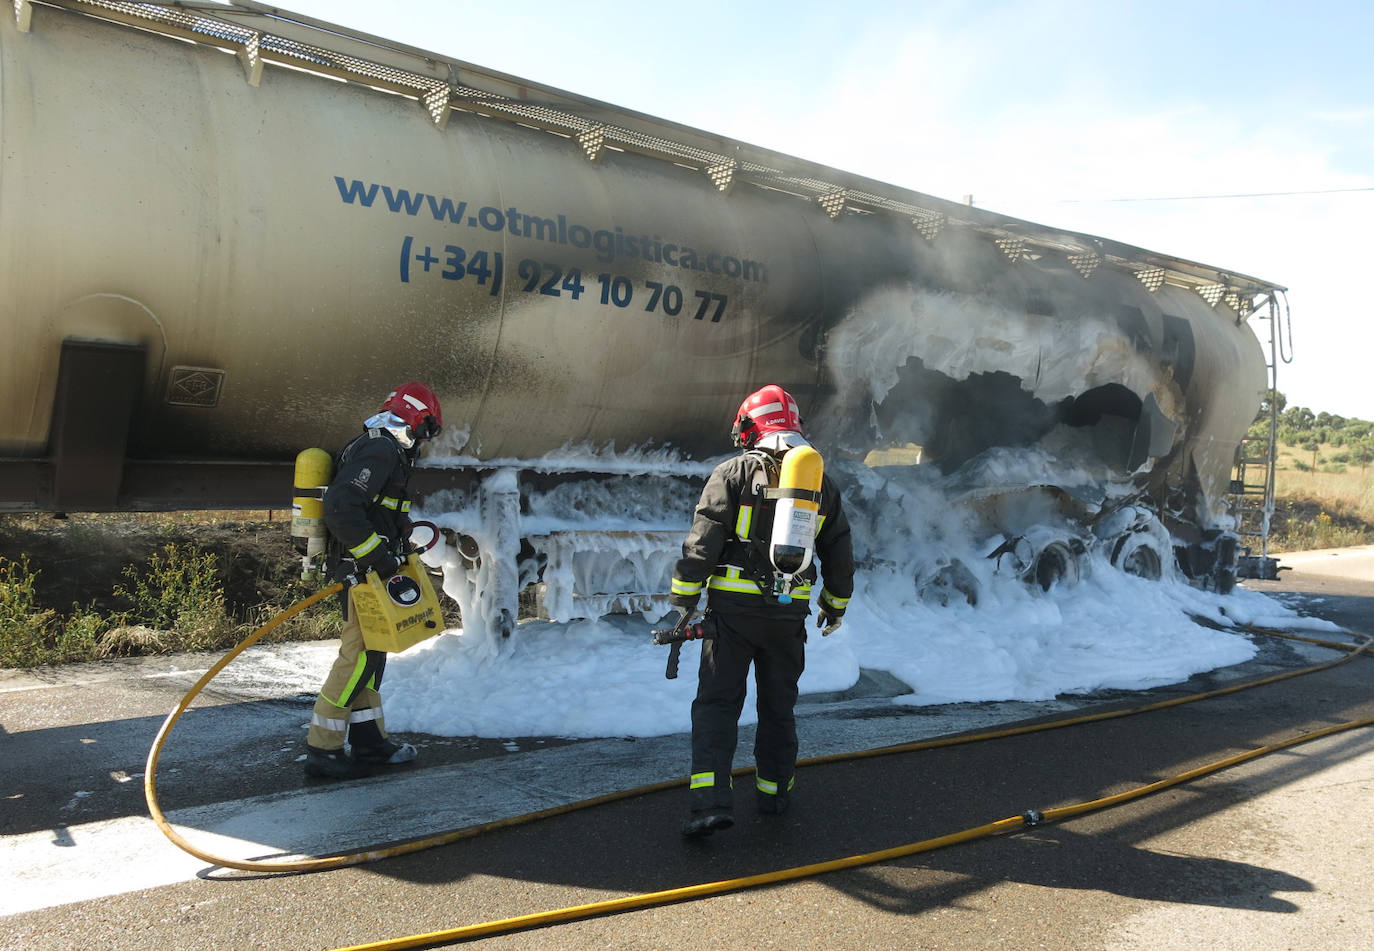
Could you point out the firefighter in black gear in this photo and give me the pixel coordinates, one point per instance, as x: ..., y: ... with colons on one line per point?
x: 367, y: 511
x: 726, y: 552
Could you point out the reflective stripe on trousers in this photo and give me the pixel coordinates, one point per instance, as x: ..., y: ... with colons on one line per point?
x: 349, y: 694
x: 770, y: 788
x: 775, y: 649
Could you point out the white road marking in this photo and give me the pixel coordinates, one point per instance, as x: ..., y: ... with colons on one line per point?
x: 98, y: 859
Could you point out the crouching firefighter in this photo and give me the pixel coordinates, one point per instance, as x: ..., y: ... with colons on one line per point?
x: 764, y: 518
x: 367, y: 512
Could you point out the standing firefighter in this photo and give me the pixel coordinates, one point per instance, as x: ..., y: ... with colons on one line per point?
x: 368, y: 514
x: 758, y: 577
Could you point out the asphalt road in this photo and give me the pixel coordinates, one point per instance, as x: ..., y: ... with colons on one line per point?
x: 1272, y: 854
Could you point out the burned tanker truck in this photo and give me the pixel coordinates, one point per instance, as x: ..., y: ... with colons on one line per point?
x: 226, y: 232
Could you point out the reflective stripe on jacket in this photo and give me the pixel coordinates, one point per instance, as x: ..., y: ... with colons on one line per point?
x: 726, y: 550
x: 367, y: 498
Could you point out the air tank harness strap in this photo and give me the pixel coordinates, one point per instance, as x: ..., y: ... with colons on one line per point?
x: 770, y: 581
x: 792, y: 493
x: 757, y: 563
x: 773, y: 584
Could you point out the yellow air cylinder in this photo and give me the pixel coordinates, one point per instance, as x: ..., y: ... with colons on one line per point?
x: 399, y: 612
x: 798, y: 511
x: 314, y: 468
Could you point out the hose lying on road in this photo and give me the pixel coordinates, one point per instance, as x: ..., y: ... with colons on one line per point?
x: 150, y: 770
x: 1028, y: 818
x: 1031, y: 817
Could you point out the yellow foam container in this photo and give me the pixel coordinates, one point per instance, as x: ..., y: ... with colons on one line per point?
x: 399, y: 612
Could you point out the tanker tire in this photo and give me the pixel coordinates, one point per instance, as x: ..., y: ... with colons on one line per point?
x: 1052, y: 566
x: 1224, y: 581
x: 1140, y: 560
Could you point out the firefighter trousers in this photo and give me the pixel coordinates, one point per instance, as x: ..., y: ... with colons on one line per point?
x: 776, y: 647
x: 349, y: 702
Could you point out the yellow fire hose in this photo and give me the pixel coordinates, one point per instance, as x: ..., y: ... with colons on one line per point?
x: 150, y: 770
x: 648, y: 899
x: 1030, y: 818
x: 335, y: 861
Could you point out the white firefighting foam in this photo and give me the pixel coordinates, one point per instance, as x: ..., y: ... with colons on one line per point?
x: 603, y: 677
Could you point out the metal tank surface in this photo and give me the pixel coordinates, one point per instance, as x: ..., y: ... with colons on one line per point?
x: 216, y: 253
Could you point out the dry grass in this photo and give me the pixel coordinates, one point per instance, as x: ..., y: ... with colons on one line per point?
x: 1351, y: 491
x: 1330, y: 506
x: 118, y: 521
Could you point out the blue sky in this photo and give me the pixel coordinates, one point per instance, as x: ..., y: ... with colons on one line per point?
x: 1092, y: 117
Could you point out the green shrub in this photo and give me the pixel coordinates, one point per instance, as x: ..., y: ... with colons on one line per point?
x: 1302, y: 525
x: 78, y: 637
x: 179, y: 596
x: 23, y: 628
x: 31, y: 636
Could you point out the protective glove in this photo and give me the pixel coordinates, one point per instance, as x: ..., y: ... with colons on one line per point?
x: 668, y: 635
x: 381, y: 560
x: 386, y: 566
x: 404, y: 525
x: 828, y: 623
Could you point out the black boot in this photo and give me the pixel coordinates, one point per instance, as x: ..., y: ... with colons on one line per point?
x: 702, y: 822
x: 330, y: 764
x: 773, y: 804
x: 386, y: 753
x: 370, y: 748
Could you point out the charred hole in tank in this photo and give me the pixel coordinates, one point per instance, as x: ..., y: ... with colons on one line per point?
x: 954, y: 421
x: 1110, y: 415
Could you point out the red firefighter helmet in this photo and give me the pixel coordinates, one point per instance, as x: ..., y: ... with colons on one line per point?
x: 418, y: 407
x: 768, y: 410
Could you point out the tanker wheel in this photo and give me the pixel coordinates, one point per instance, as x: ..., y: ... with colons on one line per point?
x: 1051, y: 565
x: 1224, y: 580
x: 1140, y: 561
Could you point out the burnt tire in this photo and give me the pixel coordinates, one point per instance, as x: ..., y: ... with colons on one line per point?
x: 1137, y: 556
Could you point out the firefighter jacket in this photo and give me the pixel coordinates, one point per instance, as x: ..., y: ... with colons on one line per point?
x: 366, y: 507
x: 726, y: 551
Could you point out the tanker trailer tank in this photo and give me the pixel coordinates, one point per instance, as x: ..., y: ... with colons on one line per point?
x: 235, y: 228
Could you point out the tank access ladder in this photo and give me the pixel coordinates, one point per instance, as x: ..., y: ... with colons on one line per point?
x: 1252, y: 475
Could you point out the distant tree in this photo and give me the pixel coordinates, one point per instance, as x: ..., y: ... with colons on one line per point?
x: 1311, y: 445
x: 1271, y: 397
x: 1299, y: 417
x: 1302, y: 418
x: 1362, y: 452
